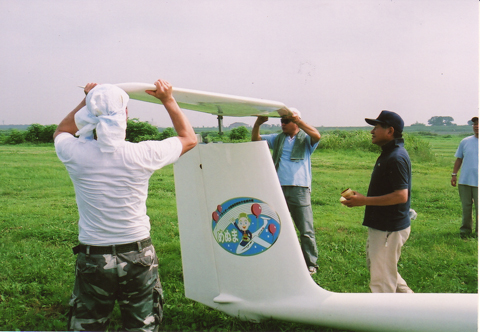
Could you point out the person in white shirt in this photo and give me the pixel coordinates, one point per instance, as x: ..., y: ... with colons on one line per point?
x: 467, y: 160
x: 116, y: 259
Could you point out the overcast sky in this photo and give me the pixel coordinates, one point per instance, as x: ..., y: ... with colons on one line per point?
x: 337, y: 61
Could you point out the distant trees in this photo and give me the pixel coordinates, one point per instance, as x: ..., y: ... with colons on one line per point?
x: 441, y: 121
x: 168, y: 132
x: 137, y: 131
x: 236, y: 135
x: 15, y: 137
x: 35, y: 133
x: 239, y: 133
x: 418, y: 124
x: 38, y: 133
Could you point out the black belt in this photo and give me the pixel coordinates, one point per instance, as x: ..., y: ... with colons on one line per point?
x: 113, y: 249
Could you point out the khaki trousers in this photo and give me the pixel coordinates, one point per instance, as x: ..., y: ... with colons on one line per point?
x: 383, y: 253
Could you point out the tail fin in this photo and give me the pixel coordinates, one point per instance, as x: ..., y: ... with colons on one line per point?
x: 241, y: 255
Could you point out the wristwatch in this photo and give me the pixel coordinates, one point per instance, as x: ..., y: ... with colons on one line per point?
x: 454, y: 174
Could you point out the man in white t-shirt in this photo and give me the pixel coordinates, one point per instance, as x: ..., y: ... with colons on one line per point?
x: 116, y: 259
x: 467, y: 160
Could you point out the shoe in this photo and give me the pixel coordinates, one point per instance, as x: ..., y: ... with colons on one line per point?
x: 312, y: 270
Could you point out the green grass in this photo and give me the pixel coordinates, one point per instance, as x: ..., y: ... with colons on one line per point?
x: 38, y: 227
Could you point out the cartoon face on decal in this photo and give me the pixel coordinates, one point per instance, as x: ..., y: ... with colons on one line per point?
x: 243, y: 221
x: 245, y: 226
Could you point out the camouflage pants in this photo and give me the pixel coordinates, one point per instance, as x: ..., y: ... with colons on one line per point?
x: 130, y: 278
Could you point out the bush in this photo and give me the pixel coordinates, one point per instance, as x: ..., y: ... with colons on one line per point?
x: 240, y: 133
x: 362, y: 140
x: 15, y: 137
x: 212, y: 136
x: 3, y: 136
x: 46, y: 136
x: 418, y: 148
x: 145, y: 138
x: 344, y: 140
x: 168, y: 132
x: 138, y: 131
x: 426, y: 133
x: 33, y: 133
x: 36, y: 133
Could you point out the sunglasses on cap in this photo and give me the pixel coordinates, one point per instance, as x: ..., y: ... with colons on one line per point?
x: 285, y: 121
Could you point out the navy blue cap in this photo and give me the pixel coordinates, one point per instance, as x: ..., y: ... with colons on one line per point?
x: 391, y: 119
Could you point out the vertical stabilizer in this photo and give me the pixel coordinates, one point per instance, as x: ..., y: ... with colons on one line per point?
x: 216, y: 181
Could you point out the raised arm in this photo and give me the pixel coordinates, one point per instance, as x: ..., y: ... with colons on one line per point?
x: 256, y: 128
x: 67, y: 125
x: 182, y: 126
x: 308, y: 129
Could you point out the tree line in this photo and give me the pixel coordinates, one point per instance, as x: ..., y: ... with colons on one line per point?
x: 444, y: 121
x: 137, y: 131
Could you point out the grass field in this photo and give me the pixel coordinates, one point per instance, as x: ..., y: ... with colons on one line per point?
x: 38, y: 227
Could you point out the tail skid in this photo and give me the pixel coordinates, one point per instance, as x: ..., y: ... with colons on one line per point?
x: 218, y: 181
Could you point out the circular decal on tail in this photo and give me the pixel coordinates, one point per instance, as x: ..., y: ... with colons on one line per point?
x: 245, y: 226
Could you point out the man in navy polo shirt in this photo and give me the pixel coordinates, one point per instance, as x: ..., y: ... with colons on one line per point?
x: 387, y: 205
